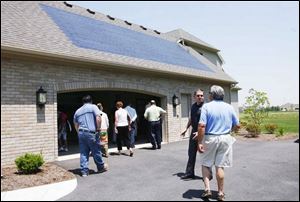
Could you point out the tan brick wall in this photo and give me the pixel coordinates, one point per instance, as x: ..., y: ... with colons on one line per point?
x: 27, y: 128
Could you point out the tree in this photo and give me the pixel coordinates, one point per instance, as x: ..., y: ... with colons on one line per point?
x: 256, y: 111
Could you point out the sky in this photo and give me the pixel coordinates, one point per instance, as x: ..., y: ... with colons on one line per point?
x: 259, y: 41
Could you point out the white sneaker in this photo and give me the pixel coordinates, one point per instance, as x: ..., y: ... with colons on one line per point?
x: 61, y: 149
x: 66, y: 149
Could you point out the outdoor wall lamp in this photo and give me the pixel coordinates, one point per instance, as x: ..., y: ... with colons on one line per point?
x: 175, y: 100
x: 41, y: 98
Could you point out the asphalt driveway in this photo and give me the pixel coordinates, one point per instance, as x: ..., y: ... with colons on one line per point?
x: 262, y: 170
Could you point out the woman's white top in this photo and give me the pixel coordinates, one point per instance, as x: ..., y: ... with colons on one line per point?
x: 121, y: 117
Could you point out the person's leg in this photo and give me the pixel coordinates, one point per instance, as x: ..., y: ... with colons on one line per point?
x: 119, y: 139
x: 95, y: 147
x: 192, y: 153
x: 84, y: 154
x: 220, y: 179
x: 206, y: 174
x: 158, y: 134
x: 152, y: 134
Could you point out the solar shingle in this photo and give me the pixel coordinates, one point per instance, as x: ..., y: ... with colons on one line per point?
x: 98, y: 35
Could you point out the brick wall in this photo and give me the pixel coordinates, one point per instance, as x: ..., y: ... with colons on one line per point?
x: 28, y: 128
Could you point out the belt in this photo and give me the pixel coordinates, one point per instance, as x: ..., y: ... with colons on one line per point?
x: 216, y: 134
x: 86, y: 130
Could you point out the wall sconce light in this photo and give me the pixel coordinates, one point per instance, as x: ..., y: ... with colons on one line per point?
x: 41, y: 98
x: 175, y: 100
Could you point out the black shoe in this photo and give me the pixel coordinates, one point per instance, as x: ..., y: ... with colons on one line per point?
x: 153, y: 147
x: 158, y: 147
x: 187, y: 176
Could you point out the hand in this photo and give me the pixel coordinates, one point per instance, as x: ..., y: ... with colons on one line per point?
x: 195, y: 135
x: 183, y: 133
x: 116, y: 130
x: 200, y: 148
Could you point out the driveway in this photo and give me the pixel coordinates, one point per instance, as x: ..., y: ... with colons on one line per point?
x: 262, y: 171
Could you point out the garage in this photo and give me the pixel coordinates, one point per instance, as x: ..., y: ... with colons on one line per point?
x: 69, y: 102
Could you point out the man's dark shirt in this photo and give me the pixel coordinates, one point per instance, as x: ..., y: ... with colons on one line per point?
x: 195, y: 115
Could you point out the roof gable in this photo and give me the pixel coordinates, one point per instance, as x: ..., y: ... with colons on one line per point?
x: 98, y: 35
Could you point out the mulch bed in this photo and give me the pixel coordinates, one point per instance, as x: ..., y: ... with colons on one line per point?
x: 49, y: 173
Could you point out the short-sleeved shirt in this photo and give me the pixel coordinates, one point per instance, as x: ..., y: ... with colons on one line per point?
x: 121, y: 116
x: 132, y: 113
x: 195, y: 115
x: 85, y: 116
x: 153, y: 113
x: 219, y: 117
x: 104, y: 121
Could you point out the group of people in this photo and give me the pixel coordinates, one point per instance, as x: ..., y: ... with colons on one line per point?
x: 91, y: 124
x: 211, y: 123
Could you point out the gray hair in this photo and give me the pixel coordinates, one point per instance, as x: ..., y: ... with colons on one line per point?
x: 217, y: 92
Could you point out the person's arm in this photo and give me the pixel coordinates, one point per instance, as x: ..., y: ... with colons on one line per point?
x: 187, y: 127
x: 116, y: 121
x: 76, y: 126
x: 98, y: 121
x: 201, y: 132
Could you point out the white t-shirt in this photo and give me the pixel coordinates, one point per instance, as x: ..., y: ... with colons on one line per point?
x: 121, y: 117
x: 104, y: 121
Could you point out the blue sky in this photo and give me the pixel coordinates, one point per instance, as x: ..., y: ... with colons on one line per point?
x: 259, y: 41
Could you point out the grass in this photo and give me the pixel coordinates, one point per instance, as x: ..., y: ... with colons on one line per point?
x: 289, y: 121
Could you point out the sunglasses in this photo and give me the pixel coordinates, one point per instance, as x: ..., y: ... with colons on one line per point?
x: 199, y: 95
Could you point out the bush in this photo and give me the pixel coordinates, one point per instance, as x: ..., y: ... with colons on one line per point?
x: 271, y: 128
x: 280, y: 132
x: 253, y: 129
x: 29, y: 163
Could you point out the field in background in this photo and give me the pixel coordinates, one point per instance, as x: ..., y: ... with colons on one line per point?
x: 289, y: 121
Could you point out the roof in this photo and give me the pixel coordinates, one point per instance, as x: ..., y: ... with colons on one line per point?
x: 181, y: 34
x: 58, y: 30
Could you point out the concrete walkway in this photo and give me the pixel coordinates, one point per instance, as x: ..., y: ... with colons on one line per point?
x: 262, y: 170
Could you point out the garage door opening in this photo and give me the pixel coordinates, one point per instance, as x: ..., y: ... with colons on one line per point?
x: 71, y: 101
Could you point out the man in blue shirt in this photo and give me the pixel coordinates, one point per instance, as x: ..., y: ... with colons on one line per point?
x: 87, y: 122
x: 217, y: 120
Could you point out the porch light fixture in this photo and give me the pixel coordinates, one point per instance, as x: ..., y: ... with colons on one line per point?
x: 175, y: 100
x: 41, y: 97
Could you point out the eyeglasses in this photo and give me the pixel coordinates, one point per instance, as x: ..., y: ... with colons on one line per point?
x: 199, y: 95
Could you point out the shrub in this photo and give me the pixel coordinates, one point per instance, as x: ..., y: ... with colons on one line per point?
x: 271, y: 128
x: 29, y: 163
x: 280, y: 132
x: 253, y: 129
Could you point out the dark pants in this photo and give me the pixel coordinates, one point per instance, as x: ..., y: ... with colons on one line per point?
x: 123, y: 136
x: 155, y: 133
x: 192, y: 152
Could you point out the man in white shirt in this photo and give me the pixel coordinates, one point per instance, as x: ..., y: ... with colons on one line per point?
x: 153, y: 115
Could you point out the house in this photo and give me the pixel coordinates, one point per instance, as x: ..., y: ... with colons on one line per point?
x: 67, y: 51
x: 289, y: 107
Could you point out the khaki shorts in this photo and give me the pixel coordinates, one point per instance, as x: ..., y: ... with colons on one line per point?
x: 217, y: 150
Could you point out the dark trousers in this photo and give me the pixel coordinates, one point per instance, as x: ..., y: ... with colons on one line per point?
x: 155, y: 133
x: 123, y: 136
x: 192, y: 152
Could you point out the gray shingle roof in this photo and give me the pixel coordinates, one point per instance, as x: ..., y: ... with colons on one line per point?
x: 27, y: 27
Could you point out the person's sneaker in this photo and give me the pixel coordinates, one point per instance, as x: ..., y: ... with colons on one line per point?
x: 187, y: 176
x: 66, y: 149
x: 84, y: 175
x: 104, y: 169
x: 221, y: 197
x: 206, y: 194
x: 158, y: 147
x: 61, y: 149
x: 131, y: 154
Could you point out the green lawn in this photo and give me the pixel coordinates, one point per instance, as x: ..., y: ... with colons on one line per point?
x: 289, y: 121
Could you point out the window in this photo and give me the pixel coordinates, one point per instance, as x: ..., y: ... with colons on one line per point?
x: 90, y: 11
x: 185, y: 105
x: 109, y: 17
x: 128, y: 23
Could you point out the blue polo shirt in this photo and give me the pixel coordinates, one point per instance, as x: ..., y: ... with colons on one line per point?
x: 219, y: 117
x: 85, y: 116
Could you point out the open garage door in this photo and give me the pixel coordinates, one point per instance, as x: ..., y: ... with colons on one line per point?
x: 69, y: 102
